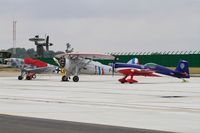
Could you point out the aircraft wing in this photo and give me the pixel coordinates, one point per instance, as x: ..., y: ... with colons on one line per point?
x: 137, y: 72
x: 87, y: 55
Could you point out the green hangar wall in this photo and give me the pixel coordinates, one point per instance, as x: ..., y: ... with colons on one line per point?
x: 165, y: 60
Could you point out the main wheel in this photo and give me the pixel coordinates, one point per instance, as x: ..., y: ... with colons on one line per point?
x: 20, y: 77
x: 28, y: 78
x: 75, y: 78
x: 65, y: 78
x: 34, y: 76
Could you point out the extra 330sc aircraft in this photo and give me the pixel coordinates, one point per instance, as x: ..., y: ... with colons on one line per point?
x: 29, y: 67
x: 73, y: 64
x: 150, y: 69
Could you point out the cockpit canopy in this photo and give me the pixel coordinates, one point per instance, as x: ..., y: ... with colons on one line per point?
x: 151, y: 65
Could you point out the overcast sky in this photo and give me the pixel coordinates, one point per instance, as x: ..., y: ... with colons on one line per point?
x: 103, y: 25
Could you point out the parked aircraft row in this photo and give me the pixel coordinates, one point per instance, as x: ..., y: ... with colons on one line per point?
x: 73, y: 64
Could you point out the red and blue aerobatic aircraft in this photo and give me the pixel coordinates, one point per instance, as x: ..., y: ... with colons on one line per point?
x: 150, y: 69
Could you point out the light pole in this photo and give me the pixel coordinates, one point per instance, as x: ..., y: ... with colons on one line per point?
x: 14, y: 37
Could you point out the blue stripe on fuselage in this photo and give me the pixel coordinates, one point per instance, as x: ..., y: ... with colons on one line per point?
x: 163, y: 70
x: 124, y: 65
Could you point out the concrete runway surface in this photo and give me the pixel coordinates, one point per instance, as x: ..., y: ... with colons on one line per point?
x: 154, y: 103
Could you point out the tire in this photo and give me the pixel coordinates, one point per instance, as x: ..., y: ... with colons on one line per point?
x: 28, y: 78
x: 75, y: 78
x: 20, y: 77
x: 34, y: 76
x: 65, y: 78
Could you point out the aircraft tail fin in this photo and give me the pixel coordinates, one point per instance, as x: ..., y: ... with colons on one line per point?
x: 133, y: 61
x: 183, y: 67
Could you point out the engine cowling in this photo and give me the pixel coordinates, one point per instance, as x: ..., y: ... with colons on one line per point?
x: 62, y: 62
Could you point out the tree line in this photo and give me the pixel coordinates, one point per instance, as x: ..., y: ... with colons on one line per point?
x: 24, y: 53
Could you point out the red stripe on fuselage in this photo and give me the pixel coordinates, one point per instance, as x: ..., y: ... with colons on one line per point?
x: 37, y: 63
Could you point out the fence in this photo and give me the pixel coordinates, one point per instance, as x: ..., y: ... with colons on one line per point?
x: 168, y: 59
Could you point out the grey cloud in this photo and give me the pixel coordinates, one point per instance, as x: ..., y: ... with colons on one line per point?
x: 64, y: 9
x: 104, y: 25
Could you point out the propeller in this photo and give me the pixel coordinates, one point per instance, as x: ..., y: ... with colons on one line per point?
x: 113, y: 66
x: 47, y: 43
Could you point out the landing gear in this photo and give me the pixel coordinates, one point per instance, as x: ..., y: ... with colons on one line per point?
x: 75, y: 78
x: 122, y: 80
x: 20, y: 77
x: 130, y: 80
x: 184, y: 80
x: 65, y: 78
x: 28, y: 77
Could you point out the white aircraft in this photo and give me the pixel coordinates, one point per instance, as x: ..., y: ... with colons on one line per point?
x: 73, y: 64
